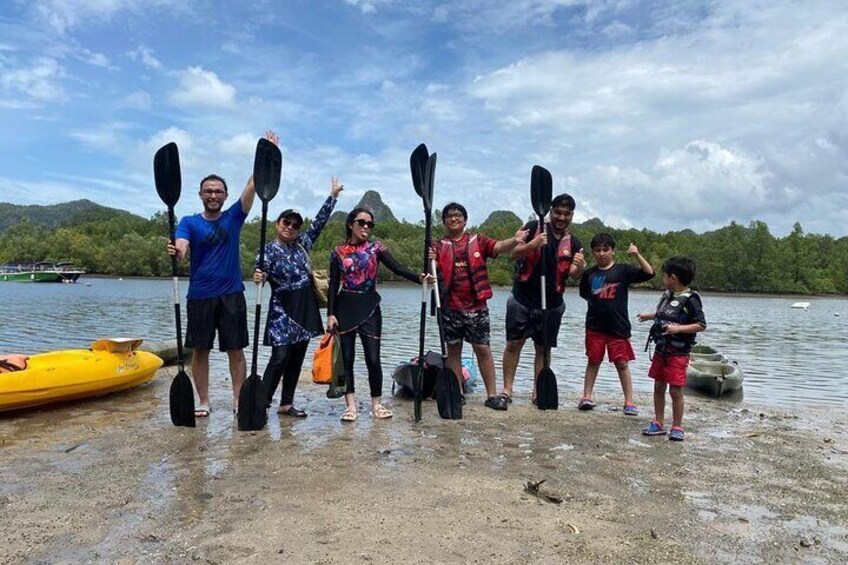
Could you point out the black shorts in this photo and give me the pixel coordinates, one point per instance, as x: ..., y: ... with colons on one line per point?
x: 225, y: 314
x: 473, y: 327
x: 523, y: 322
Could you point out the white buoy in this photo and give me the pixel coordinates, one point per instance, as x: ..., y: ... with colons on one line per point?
x: 801, y: 305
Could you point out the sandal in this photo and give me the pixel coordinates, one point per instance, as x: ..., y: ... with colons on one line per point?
x: 202, y: 411
x: 506, y: 397
x: 496, y: 403
x: 349, y: 415
x: 654, y: 429
x: 631, y: 410
x: 586, y: 404
x: 381, y: 412
x: 293, y: 412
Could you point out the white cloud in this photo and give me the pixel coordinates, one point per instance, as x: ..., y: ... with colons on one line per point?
x: 368, y: 6
x: 145, y: 56
x: 137, y: 100
x: 39, y: 81
x: 96, y: 59
x: 199, y: 87
x: 65, y: 15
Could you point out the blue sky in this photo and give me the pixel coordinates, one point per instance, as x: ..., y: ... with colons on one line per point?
x: 665, y: 115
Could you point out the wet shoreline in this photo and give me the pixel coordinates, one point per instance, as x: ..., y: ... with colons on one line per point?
x: 110, y: 480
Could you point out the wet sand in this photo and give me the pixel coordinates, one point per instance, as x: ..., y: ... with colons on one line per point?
x: 110, y: 480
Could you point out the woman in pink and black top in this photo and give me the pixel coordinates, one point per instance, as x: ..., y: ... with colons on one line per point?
x: 354, y: 304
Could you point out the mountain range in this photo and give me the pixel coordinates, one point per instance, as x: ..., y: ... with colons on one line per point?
x: 85, y: 211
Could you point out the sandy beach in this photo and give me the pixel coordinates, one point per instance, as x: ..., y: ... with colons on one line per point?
x: 111, y: 481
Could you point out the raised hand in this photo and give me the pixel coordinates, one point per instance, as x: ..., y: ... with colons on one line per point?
x: 633, y: 251
x: 579, y: 259
x: 335, y: 187
x: 272, y: 137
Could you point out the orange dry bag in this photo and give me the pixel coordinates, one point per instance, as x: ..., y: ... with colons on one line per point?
x: 322, y: 362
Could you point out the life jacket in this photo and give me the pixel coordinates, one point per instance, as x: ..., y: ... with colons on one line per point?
x: 672, y: 309
x: 476, y: 265
x: 564, y: 259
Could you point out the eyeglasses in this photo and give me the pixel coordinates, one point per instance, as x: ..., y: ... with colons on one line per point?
x: 454, y: 215
x: 210, y: 192
x: 290, y: 224
x: 364, y: 223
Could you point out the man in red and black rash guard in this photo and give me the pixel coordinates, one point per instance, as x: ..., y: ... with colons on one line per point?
x: 465, y: 289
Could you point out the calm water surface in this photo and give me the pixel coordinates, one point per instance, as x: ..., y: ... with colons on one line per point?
x: 791, y: 358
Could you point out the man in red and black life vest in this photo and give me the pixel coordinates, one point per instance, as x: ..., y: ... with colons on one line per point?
x: 465, y: 289
x: 564, y: 259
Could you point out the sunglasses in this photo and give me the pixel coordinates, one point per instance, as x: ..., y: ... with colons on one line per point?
x: 290, y: 224
x: 364, y: 223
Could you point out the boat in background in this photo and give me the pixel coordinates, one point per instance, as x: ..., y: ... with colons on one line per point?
x: 800, y: 305
x: 712, y: 372
x: 108, y: 366
x: 43, y: 271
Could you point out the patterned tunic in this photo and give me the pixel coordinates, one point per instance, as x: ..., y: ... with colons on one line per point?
x: 353, y: 296
x: 287, y: 267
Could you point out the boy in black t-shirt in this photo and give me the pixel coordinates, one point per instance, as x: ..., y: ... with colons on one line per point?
x: 604, y: 287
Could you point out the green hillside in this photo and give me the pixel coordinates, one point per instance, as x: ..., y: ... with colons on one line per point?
x: 67, y: 214
x: 734, y: 258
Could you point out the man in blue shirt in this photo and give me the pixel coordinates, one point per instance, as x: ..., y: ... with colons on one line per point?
x: 215, y: 301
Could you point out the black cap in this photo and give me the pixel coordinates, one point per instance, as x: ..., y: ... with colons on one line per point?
x: 288, y: 213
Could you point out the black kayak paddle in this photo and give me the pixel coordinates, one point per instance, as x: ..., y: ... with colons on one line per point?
x: 541, y: 187
x: 422, y: 165
x: 166, y: 172
x: 267, y: 167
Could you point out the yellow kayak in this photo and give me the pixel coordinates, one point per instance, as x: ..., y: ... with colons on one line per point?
x: 110, y: 365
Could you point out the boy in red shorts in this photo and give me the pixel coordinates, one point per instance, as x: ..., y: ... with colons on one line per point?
x: 678, y: 318
x: 604, y: 287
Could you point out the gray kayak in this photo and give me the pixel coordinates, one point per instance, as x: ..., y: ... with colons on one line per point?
x: 714, y: 377
x: 166, y: 349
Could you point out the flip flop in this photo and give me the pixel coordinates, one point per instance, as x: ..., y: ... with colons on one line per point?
x: 202, y: 411
x: 293, y: 412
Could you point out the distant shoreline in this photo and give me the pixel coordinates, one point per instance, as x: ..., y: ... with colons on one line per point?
x: 632, y: 289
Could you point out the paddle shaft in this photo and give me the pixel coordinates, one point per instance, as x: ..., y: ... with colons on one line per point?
x: 176, y: 279
x: 254, y: 367
x: 545, y: 351
x: 439, y: 319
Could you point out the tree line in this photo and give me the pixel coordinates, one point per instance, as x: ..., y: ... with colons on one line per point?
x: 735, y: 258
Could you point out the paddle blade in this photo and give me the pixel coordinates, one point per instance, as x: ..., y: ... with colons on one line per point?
x: 541, y: 189
x: 429, y: 181
x: 166, y: 172
x: 547, y: 397
x: 267, y: 168
x: 182, y: 401
x: 417, y: 165
x: 448, y: 395
x: 252, y: 415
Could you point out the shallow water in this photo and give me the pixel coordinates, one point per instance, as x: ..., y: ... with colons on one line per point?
x: 791, y: 358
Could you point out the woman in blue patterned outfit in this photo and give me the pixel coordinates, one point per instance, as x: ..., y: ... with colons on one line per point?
x: 293, y: 315
x: 354, y: 305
